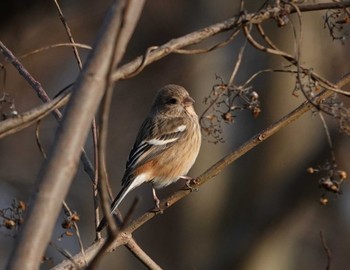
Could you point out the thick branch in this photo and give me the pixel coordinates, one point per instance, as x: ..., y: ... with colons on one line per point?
x: 57, y: 173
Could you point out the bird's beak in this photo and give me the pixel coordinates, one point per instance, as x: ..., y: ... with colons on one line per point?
x: 188, y: 101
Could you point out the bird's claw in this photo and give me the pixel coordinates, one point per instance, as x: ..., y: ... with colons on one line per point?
x: 190, y: 183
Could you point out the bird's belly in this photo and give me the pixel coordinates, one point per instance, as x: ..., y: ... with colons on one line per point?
x: 174, y: 165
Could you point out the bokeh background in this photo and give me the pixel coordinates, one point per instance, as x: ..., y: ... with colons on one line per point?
x: 262, y: 212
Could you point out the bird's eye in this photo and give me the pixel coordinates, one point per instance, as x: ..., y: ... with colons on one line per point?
x: 172, y: 101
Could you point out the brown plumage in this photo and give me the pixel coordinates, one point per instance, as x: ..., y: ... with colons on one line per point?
x: 166, y: 146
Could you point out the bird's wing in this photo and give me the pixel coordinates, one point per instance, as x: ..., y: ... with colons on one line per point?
x: 155, y: 136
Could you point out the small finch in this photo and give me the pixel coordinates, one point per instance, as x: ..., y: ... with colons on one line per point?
x: 166, y: 146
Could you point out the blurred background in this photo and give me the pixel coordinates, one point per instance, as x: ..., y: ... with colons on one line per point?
x: 262, y: 212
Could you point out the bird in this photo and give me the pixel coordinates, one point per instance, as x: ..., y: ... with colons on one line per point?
x: 166, y: 146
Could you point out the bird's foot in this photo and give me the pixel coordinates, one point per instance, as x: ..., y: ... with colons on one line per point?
x: 157, y: 201
x: 190, y: 182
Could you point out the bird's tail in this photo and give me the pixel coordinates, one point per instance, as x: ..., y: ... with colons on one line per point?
x: 121, y: 195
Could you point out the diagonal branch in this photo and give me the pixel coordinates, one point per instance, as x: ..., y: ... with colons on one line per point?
x: 125, y: 235
x: 69, y: 33
x: 28, y: 77
x: 218, y: 167
x: 136, y: 250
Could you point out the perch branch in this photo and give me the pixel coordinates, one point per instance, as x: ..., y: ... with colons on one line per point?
x: 125, y: 234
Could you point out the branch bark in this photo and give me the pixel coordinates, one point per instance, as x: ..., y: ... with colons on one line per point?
x: 58, y: 171
x: 24, y: 120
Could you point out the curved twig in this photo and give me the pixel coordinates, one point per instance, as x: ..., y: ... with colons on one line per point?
x: 58, y: 45
x: 216, y: 46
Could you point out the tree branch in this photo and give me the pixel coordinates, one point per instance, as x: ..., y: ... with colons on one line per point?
x: 28, y: 77
x: 219, y: 166
x: 198, y: 36
x: 57, y: 173
x: 43, y: 96
x: 141, y: 255
x: 24, y: 120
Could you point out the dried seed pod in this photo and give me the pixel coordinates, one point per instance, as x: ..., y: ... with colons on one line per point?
x: 323, y: 200
x: 342, y: 175
x: 9, y: 224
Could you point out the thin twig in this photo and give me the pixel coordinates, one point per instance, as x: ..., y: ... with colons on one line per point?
x: 266, y: 49
x: 265, y: 37
x: 77, y: 45
x: 76, y: 228
x: 69, y: 33
x: 135, y: 249
x: 212, y: 103
x: 28, y: 77
x: 323, y: 82
x: 3, y: 82
x: 328, y: 136
x: 64, y: 253
x: 37, y: 139
x: 142, y: 64
x: 298, y: 41
x: 256, y: 74
x: 216, y: 46
x: 237, y: 64
x: 232, y: 77
x: 297, y: 46
x: 96, y: 179
x: 241, y: 6
x: 326, y: 250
